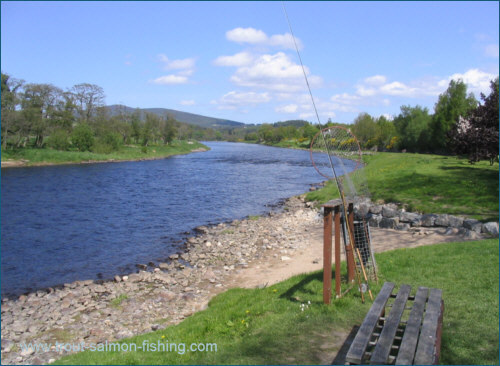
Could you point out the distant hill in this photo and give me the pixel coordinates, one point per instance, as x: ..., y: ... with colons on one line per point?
x: 190, y: 118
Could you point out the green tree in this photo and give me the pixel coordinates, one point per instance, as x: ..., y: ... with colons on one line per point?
x: 82, y: 137
x: 452, y: 104
x: 385, y: 132
x: 10, y: 101
x: 365, y: 130
x: 88, y: 97
x: 412, y: 126
x: 168, y: 129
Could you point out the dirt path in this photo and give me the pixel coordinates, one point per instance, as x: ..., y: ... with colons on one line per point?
x: 272, y: 269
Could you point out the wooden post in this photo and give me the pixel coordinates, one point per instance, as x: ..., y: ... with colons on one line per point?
x: 337, y: 251
x: 350, y: 248
x: 327, y: 255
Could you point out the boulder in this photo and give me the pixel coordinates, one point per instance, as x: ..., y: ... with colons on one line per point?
x: 389, y: 223
x: 409, y: 217
x: 491, y: 228
x: 389, y: 211
x: 201, y: 229
x: 448, y: 221
x: 473, y: 224
x: 374, y: 220
x: 376, y: 209
x: 428, y: 220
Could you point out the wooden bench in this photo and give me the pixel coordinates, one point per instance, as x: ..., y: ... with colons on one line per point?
x: 409, y: 333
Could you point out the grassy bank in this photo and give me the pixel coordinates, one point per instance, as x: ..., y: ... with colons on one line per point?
x: 429, y: 184
x: 46, y: 156
x: 288, y: 324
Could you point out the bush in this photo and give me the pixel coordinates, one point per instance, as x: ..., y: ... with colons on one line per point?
x: 82, y: 137
x: 100, y: 147
x: 59, y: 140
x: 114, y: 140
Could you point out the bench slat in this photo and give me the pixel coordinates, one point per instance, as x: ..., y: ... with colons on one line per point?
x: 383, y: 348
x: 360, y: 342
x: 426, y: 349
x: 410, y: 337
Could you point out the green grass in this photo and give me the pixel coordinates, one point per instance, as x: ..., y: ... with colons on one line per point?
x: 429, y: 184
x: 128, y: 152
x: 267, y: 326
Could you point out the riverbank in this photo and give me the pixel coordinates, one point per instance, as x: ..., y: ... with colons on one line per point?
x: 258, y: 251
x: 44, y: 157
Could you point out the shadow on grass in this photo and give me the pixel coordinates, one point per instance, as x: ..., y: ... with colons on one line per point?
x: 302, y: 286
x: 342, y: 353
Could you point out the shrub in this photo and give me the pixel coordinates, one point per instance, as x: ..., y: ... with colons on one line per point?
x: 59, y: 140
x: 82, y: 137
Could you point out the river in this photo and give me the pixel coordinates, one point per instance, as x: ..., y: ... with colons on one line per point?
x: 90, y: 221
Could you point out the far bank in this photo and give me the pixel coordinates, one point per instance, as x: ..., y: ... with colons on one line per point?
x: 46, y: 156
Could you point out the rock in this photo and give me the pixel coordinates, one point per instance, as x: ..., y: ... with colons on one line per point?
x: 389, y: 223
x: 374, y: 220
x: 428, y: 220
x: 208, y: 244
x: 389, y: 211
x: 201, y: 229
x: 163, y: 266
x: 403, y: 226
x: 491, y: 228
x: 408, y: 217
x: 191, y: 240
x: 451, y: 231
x: 473, y: 224
x: 118, y: 279
x: 174, y: 256
x: 27, y: 352
x: 125, y: 278
x: 448, y: 221
x: 285, y: 258
x: 316, y: 261
x: 7, y: 345
x: 155, y: 327
x: 142, y: 266
x: 376, y: 209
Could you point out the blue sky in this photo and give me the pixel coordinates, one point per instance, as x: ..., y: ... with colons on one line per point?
x: 235, y: 60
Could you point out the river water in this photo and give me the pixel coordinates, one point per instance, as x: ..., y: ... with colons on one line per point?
x: 73, y: 222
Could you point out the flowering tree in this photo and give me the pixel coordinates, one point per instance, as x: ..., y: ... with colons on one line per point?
x: 477, y: 135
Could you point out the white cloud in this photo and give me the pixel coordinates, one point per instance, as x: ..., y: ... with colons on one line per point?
x: 239, y: 59
x: 258, y: 37
x: 170, y: 79
x: 234, y: 100
x: 246, y: 35
x: 290, y: 108
x: 376, y: 80
x: 186, y: 63
x: 187, y: 102
x: 491, y: 50
x: 477, y: 81
x: 274, y: 72
x: 284, y: 41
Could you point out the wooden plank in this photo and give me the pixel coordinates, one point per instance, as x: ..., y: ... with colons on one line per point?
x: 380, y: 354
x: 360, y: 342
x: 327, y: 256
x: 410, y: 337
x: 426, y: 349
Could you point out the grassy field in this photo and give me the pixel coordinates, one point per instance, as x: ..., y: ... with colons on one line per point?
x: 429, y: 184
x: 288, y: 324
x: 130, y: 152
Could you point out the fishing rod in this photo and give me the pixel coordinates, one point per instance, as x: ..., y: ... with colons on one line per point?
x: 339, y: 184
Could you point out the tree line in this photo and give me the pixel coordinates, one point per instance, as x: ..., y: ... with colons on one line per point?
x: 43, y: 115
x: 459, y: 125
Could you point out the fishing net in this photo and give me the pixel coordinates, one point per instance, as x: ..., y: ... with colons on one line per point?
x: 337, y: 156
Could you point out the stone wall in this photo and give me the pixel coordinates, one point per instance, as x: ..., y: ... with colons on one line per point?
x: 388, y: 216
